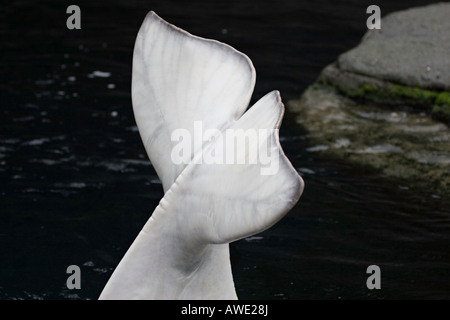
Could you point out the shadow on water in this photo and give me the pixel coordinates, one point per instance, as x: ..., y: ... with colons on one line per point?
x: 77, y: 186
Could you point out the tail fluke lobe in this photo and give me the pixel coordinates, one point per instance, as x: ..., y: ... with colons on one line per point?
x: 178, y: 79
x: 230, y: 201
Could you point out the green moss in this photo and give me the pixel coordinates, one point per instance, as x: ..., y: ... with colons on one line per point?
x: 434, y: 102
x: 421, y: 95
x: 359, y: 92
x: 443, y: 98
x: 441, y: 107
x: 366, y: 91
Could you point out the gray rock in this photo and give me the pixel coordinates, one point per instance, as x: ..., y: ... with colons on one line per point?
x: 360, y: 108
x: 409, y: 147
x: 411, y: 48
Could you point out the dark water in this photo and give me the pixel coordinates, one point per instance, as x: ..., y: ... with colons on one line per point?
x: 76, y: 185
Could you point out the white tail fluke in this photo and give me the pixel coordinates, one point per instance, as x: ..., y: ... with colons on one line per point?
x: 182, y: 251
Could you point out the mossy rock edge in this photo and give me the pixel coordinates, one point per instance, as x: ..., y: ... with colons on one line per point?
x: 408, y: 147
x: 369, y: 90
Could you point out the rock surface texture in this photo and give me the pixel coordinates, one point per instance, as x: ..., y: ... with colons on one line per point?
x: 411, y: 48
x: 385, y: 104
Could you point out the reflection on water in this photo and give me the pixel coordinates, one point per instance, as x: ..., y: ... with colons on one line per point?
x: 77, y: 186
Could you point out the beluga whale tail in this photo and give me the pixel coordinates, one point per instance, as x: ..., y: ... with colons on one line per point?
x: 224, y: 174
